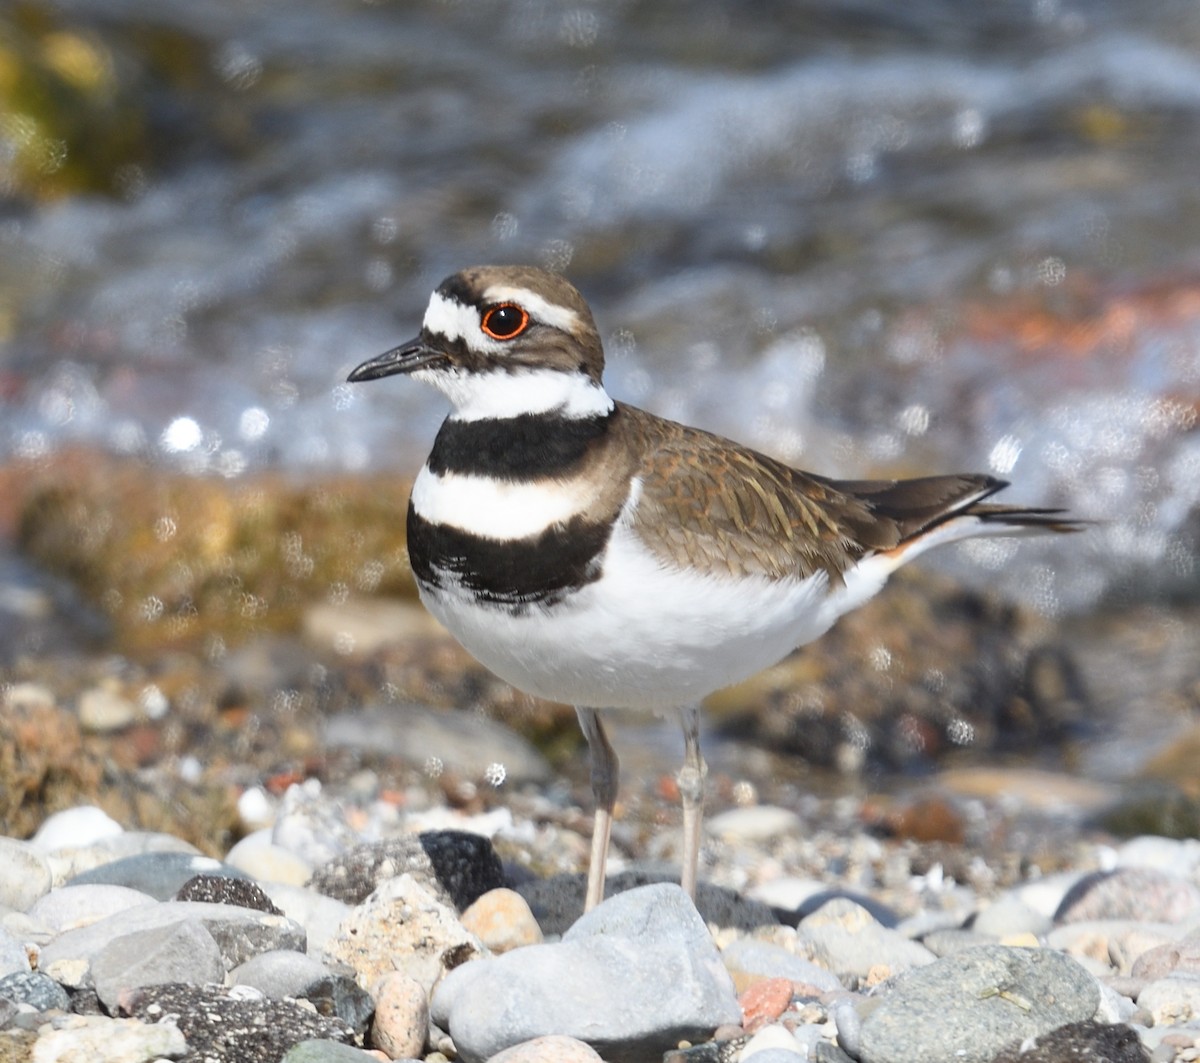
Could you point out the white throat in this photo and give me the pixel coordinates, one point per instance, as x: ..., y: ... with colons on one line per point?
x: 500, y: 394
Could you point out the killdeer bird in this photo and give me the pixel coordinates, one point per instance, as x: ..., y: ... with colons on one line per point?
x: 592, y: 553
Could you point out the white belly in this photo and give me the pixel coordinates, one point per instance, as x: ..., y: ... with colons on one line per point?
x: 647, y: 636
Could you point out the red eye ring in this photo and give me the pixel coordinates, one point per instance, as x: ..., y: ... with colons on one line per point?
x: 504, y: 321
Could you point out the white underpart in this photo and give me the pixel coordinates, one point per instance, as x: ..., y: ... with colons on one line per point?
x: 497, y: 509
x: 648, y: 634
x: 540, y: 309
x: 500, y: 393
x: 651, y: 635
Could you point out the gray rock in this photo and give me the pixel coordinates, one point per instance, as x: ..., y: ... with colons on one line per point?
x: 966, y: 1007
x: 774, y: 961
x: 69, y: 907
x: 464, y: 743
x: 1008, y: 914
x: 633, y: 978
x: 159, y: 874
x: 284, y: 973
x: 179, y: 952
x: 239, y: 933
x: 455, y: 866
x: 68, y: 863
x: 313, y: 1051
x: 949, y: 941
x: 847, y: 939
x: 38, y: 990
x: 24, y: 875
x: 13, y: 958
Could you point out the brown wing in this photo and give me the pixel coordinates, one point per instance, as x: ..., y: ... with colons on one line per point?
x: 722, y: 508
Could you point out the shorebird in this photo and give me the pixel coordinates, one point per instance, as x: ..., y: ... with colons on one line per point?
x: 591, y: 553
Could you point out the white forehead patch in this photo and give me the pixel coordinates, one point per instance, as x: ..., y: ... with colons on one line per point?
x: 450, y: 318
x: 539, y: 308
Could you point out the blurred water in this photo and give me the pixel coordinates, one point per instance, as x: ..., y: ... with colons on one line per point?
x: 869, y: 238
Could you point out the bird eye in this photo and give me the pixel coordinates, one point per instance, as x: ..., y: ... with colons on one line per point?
x: 505, y: 321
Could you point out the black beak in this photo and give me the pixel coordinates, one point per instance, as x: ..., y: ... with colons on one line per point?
x: 403, y: 359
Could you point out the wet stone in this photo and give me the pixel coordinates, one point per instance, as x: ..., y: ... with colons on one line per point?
x: 455, y: 866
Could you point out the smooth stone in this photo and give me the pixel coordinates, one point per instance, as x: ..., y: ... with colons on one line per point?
x: 764, y: 1001
x: 159, y: 874
x: 466, y: 744
x: 632, y: 978
x: 770, y: 1040
x: 319, y: 1051
x: 38, y: 990
x: 966, y: 1007
x: 1142, y: 893
x: 69, y: 862
x: 239, y: 933
x: 24, y: 875
x: 1178, y: 856
x: 104, y: 711
x: 13, y: 957
x: 775, y: 1054
x: 179, y: 952
x: 1046, y: 894
x: 554, y: 1048
x: 401, y: 1015
x: 1116, y: 942
x: 760, y: 959
x: 70, y: 907
x: 947, y: 942
x: 848, y: 940
x: 402, y: 926
x: 758, y: 823
x: 1178, y: 957
x: 264, y: 861
x: 75, y: 828
x: 1172, y: 1001
x: 319, y: 915
x: 105, y: 1040
x: 1009, y: 914
x: 501, y: 919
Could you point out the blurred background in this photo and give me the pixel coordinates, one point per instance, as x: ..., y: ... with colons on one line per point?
x: 869, y: 238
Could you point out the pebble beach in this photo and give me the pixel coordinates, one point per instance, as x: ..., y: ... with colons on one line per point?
x: 435, y: 942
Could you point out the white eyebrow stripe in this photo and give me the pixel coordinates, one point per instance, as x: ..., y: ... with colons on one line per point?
x: 559, y: 317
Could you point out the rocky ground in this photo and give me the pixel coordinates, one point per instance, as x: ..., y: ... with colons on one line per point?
x: 257, y: 806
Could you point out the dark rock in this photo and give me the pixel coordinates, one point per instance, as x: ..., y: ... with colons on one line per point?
x: 455, y: 866
x: 219, y: 1027
x: 557, y: 901
x: 223, y: 889
x: 1091, y: 1041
